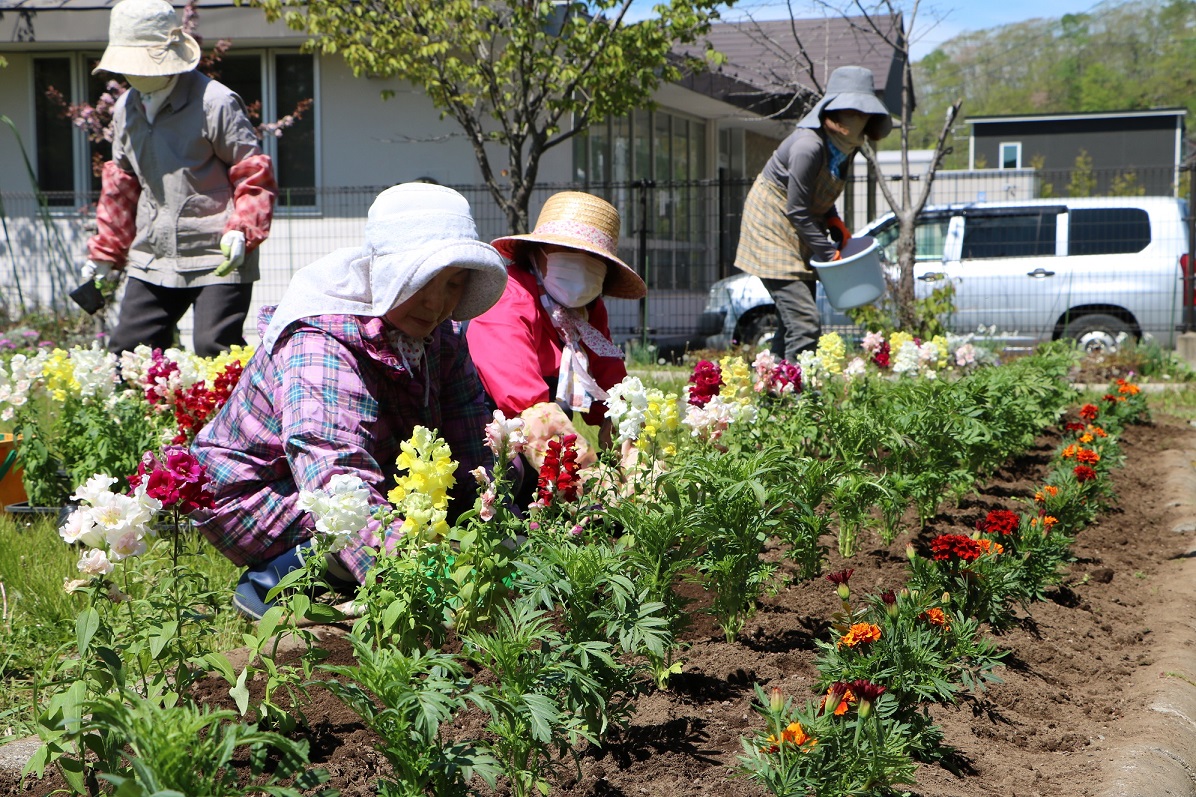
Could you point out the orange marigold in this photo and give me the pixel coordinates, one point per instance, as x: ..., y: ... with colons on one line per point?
x: 1127, y: 388
x: 937, y: 617
x: 1099, y: 432
x: 1047, y: 491
x: 1087, y: 456
x: 1085, y: 438
x: 1070, y: 451
x: 791, y: 735
x: 988, y: 546
x: 858, y: 634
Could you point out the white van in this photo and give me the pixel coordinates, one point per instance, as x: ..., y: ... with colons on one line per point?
x: 1092, y: 269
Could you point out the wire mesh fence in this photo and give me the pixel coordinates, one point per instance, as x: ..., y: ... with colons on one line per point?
x: 681, y: 237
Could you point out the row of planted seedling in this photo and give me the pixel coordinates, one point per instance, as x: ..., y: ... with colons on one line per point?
x: 544, y: 623
x: 892, y: 656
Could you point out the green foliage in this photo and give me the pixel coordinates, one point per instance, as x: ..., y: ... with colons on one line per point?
x: 545, y: 697
x: 185, y: 750
x: 929, y: 314
x: 523, y: 77
x: 858, y: 753
x: 406, y: 698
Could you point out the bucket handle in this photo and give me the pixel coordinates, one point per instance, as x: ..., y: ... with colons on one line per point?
x: 6, y: 465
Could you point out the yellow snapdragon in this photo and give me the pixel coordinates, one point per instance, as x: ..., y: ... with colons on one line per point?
x: 429, y: 468
x: 941, y: 342
x: 213, y: 366
x: 832, y: 352
x: 59, y: 373
x: 737, y: 379
x: 897, y: 340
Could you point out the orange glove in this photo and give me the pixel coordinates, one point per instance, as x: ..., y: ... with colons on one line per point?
x: 838, y: 230
x: 838, y: 256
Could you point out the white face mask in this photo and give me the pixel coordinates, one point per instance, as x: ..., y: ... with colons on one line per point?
x: 148, y: 85
x: 574, y: 278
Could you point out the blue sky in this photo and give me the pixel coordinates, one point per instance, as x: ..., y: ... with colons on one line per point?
x: 938, y: 20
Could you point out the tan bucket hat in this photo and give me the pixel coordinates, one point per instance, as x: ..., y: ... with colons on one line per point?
x: 587, y: 223
x: 146, y: 39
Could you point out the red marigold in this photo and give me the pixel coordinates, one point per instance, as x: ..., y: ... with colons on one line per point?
x: 1087, y: 456
x: 964, y: 548
x: 1000, y: 521
x: 1084, y: 473
x: 1075, y: 427
x: 1089, y: 412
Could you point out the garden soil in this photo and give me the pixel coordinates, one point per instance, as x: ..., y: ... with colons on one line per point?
x: 1098, y: 692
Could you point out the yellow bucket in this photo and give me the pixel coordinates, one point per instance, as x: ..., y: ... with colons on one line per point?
x: 12, y: 488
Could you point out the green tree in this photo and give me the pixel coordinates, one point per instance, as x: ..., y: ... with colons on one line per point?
x: 519, y: 76
x: 1083, y: 181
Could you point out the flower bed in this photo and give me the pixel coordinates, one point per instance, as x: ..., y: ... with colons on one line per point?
x: 563, y: 631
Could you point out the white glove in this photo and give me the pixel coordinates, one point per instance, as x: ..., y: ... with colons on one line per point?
x: 98, y: 270
x: 233, y: 247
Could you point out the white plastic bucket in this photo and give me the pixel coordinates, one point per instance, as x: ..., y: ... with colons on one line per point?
x: 857, y: 278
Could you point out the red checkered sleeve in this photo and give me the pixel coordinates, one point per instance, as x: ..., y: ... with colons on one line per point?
x: 254, y: 191
x: 116, y: 215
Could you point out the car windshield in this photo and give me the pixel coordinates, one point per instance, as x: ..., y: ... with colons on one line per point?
x: 930, y: 233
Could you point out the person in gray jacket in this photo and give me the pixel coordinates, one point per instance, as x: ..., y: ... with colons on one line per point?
x: 188, y: 196
x: 789, y: 217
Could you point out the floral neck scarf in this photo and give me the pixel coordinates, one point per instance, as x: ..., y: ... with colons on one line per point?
x: 411, y: 352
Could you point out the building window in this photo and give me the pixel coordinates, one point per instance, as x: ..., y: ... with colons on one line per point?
x: 272, y: 84
x: 1011, y: 155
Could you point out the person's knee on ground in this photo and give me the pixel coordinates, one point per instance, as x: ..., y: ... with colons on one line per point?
x: 250, y: 594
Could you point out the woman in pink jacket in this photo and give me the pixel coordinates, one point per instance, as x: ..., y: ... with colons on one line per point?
x: 545, y: 350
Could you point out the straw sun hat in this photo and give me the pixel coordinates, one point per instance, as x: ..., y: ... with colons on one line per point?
x: 146, y: 39
x: 588, y: 224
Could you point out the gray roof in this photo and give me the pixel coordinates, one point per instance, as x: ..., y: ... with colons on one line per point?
x: 767, y: 57
x: 90, y: 5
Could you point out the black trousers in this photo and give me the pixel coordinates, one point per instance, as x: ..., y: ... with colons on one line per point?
x: 149, y: 314
x: 799, y: 323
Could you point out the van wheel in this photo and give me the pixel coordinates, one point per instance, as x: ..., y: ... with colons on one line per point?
x: 1098, y: 333
x: 757, y: 330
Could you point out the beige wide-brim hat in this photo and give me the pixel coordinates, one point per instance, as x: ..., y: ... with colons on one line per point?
x: 588, y: 224
x: 146, y: 39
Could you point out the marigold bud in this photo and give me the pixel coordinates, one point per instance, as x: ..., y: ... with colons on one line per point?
x: 844, y: 592
x: 776, y: 700
x: 946, y: 598
x: 910, y: 553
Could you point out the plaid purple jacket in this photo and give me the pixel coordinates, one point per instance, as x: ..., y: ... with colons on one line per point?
x: 331, y: 398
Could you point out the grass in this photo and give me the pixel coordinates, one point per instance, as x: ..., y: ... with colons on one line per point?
x: 37, y: 617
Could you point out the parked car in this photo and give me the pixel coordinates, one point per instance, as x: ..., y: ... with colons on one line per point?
x: 1092, y: 269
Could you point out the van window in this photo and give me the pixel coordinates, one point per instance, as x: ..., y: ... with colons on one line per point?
x: 1107, y: 231
x: 929, y: 233
x: 1030, y: 234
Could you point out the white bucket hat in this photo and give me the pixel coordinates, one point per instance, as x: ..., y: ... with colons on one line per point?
x: 146, y: 39
x: 851, y: 88
x: 412, y: 232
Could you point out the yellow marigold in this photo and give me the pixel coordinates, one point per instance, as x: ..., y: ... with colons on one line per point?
x: 858, y: 634
x: 1085, y: 438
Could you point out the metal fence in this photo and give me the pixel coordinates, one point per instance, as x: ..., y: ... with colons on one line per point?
x: 680, y: 236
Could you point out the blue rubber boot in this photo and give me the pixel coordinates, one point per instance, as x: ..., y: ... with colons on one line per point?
x: 249, y: 596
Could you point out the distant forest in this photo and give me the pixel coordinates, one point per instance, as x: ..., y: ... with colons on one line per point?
x: 1119, y: 56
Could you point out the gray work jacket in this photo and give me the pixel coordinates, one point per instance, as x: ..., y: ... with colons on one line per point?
x: 182, y: 162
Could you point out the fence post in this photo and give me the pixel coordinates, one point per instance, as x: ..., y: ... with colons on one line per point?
x: 1190, y: 271
x: 643, y: 186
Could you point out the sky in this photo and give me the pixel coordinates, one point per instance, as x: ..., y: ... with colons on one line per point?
x: 937, y: 22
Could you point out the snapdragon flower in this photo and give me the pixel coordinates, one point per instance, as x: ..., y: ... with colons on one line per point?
x: 832, y: 352
x: 505, y: 436
x: 341, y: 510
x: 626, y: 404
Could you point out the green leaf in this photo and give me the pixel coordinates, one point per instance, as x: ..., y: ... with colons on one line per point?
x: 86, y: 626
x: 240, y: 692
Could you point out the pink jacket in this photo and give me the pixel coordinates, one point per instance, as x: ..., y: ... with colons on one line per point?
x: 515, y: 347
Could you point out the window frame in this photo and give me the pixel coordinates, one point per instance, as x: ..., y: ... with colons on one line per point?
x: 1017, y: 147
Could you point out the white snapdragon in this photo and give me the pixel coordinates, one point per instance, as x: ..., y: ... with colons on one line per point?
x: 857, y: 367
x: 80, y: 527
x: 905, y: 359
x: 95, y: 370
x: 627, y: 404
x: 873, y: 341
x: 341, y: 510
x: 505, y: 435
x: 94, y: 562
x: 91, y: 490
